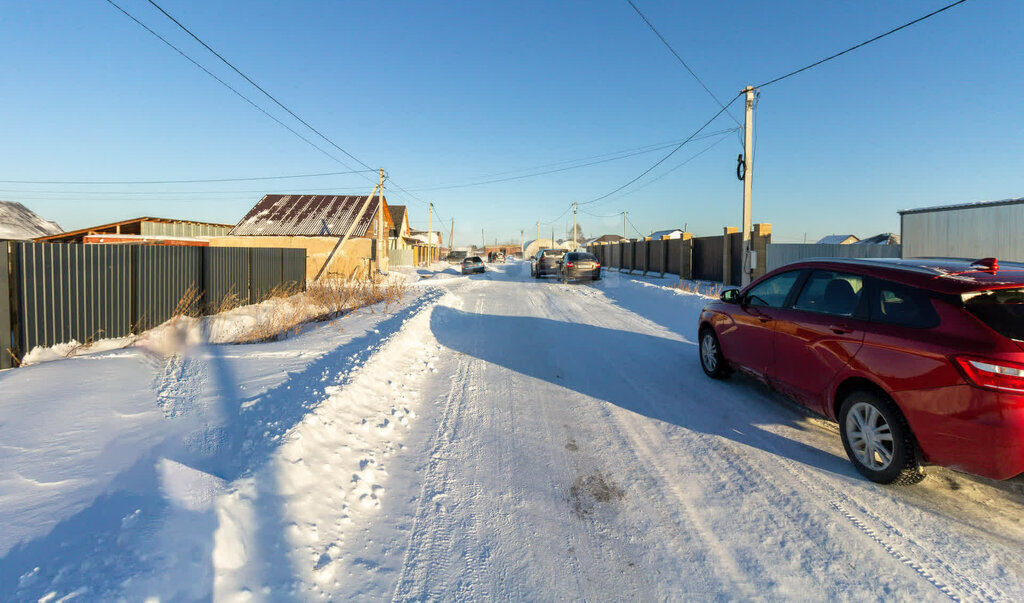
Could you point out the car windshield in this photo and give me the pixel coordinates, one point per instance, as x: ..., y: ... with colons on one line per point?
x: 1001, y: 309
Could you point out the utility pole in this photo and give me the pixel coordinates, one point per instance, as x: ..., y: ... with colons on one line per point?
x: 624, y: 224
x: 522, y: 241
x: 378, y: 189
x: 430, y: 235
x: 538, y: 234
x: 574, y: 204
x: 451, y: 237
x: 748, y: 176
x: 483, y: 243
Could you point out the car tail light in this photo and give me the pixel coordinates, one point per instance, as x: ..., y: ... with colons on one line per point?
x: 999, y: 375
x: 569, y: 265
x: 597, y: 264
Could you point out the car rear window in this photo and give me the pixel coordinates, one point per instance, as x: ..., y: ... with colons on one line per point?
x: 895, y: 304
x: 553, y: 254
x: 1002, y: 310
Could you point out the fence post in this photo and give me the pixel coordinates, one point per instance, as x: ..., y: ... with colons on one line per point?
x: 727, y: 254
x: 759, y: 240
x: 686, y: 256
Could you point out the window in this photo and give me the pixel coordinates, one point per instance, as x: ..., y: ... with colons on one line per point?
x: 772, y: 293
x: 896, y: 304
x: 829, y: 292
x: 1002, y: 310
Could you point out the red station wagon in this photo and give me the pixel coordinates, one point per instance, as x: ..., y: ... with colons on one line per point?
x: 919, y: 360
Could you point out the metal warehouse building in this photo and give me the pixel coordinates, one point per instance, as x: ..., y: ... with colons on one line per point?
x: 971, y: 230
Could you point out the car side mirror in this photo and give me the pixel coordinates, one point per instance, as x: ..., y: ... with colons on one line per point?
x: 730, y: 296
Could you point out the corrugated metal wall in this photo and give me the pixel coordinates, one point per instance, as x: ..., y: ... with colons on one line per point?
x: 183, y: 229
x: 707, y: 258
x: 674, y: 253
x: 401, y: 257
x: 6, y: 330
x: 265, y: 273
x: 226, y: 277
x: 980, y: 231
x: 71, y: 292
x: 168, y: 281
x: 64, y: 292
x: 780, y: 254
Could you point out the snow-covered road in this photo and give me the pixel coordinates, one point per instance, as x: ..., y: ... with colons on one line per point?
x: 497, y: 438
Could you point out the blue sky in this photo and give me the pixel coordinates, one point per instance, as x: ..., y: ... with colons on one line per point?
x: 449, y: 93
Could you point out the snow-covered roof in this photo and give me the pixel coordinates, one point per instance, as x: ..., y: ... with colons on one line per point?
x: 886, y: 238
x: 675, y: 233
x: 422, y: 236
x: 838, y: 239
x: 307, y: 215
x: 19, y: 223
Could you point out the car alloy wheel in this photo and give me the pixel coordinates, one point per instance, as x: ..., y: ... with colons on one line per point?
x: 711, y: 359
x: 878, y: 440
x: 870, y: 436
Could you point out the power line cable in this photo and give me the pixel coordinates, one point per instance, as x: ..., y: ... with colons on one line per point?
x: 630, y: 222
x: 644, y: 150
x: 679, y: 58
x: 225, y: 84
x: 258, y: 87
x: 602, y: 215
x: 671, y: 153
x: 203, y: 181
x: 852, y: 48
x: 672, y: 169
x: 261, y: 89
x: 559, y: 216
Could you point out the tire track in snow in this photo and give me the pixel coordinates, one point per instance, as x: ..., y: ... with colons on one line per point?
x: 427, y: 540
x: 894, y: 542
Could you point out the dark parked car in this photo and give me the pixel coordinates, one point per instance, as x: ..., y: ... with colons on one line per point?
x: 546, y: 262
x: 472, y: 264
x: 919, y: 360
x: 577, y: 266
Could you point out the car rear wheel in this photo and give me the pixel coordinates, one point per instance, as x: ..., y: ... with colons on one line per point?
x: 711, y: 359
x: 878, y: 440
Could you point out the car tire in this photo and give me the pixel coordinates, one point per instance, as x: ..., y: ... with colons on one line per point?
x: 878, y: 440
x: 710, y: 352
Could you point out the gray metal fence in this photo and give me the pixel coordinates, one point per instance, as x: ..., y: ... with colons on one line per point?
x: 780, y: 254
x: 53, y: 293
x: 401, y: 257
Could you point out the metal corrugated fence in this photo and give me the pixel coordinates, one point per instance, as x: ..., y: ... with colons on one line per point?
x: 6, y: 330
x: 780, y: 254
x: 226, y: 276
x: 53, y: 293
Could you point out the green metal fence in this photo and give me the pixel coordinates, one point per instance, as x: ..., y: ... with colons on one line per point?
x: 54, y: 293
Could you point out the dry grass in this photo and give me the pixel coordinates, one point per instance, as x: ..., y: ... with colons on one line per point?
x: 322, y: 301
x: 700, y: 288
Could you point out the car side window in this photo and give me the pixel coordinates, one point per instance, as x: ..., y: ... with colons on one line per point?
x: 773, y: 292
x: 828, y: 292
x: 896, y: 304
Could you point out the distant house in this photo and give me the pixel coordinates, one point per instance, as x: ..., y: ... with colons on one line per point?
x: 886, y: 238
x: 658, y: 235
x: 840, y: 239
x: 19, y: 223
x: 317, y: 223
x: 146, y: 230
x: 608, y: 238
x: 400, y: 235
x: 424, y: 237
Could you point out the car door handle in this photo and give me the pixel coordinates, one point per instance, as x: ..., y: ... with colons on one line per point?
x: 764, y: 318
x: 840, y: 329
